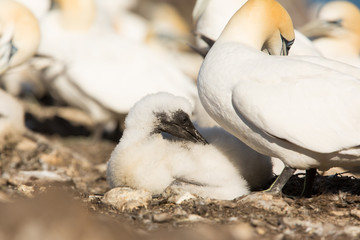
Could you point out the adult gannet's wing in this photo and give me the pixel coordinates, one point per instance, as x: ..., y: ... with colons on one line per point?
x: 305, y: 104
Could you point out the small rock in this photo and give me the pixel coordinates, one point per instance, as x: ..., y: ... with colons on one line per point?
x: 26, y: 190
x: 124, y: 198
x: 177, y: 195
x: 197, y: 218
x: 339, y: 213
x: 26, y: 145
x: 180, y: 212
x: 52, y: 159
x: 233, y: 219
x: 101, y: 167
x: 227, y: 204
x: 260, y: 230
x: 355, y: 213
x: 162, y: 217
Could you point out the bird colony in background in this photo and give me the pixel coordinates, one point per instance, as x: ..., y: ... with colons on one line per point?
x: 206, y: 124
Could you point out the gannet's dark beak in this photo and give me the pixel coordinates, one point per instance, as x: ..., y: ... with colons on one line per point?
x: 180, y: 125
x: 7, y: 48
x: 286, y: 45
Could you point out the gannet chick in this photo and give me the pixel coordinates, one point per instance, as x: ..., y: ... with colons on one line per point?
x: 211, y: 16
x: 302, y: 113
x: 336, y: 32
x: 20, y: 34
x: 145, y: 159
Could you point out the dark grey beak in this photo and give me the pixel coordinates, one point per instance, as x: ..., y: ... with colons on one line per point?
x: 180, y: 125
x: 13, y: 50
x: 286, y: 45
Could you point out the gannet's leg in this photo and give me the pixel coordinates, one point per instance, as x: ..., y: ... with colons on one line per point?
x: 281, y: 180
x: 309, y: 182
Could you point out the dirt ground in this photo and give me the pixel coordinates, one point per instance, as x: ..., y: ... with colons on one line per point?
x: 55, y: 185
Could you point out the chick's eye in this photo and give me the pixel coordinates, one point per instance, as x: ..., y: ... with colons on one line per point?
x: 184, y: 120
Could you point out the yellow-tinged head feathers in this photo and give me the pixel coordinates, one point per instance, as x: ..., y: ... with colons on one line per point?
x: 26, y: 31
x: 78, y: 14
x: 344, y: 12
x: 258, y: 23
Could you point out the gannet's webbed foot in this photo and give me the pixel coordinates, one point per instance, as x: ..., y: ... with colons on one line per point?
x: 281, y: 180
x: 309, y: 182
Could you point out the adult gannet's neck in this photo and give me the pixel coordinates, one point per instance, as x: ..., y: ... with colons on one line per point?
x: 258, y: 22
x: 26, y: 31
x: 77, y: 14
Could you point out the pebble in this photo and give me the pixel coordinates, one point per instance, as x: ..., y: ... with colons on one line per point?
x: 124, y: 198
x: 177, y: 195
x: 26, y: 145
x: 355, y: 213
x: 162, y: 217
x: 339, y: 213
x: 26, y: 190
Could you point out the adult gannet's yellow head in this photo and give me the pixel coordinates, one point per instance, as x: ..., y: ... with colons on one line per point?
x: 262, y: 24
x: 19, y: 34
x: 77, y: 14
x: 337, y: 19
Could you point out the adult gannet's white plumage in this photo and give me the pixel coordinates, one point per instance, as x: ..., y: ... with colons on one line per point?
x: 19, y: 39
x: 38, y: 7
x: 211, y: 16
x: 105, y: 74
x: 336, y: 32
x: 21, y: 34
x: 302, y: 113
x: 145, y: 159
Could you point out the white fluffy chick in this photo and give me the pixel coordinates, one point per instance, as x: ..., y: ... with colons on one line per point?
x: 145, y: 159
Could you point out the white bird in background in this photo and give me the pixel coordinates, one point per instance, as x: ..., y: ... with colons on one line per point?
x: 124, y: 21
x: 38, y: 7
x: 211, y: 16
x: 145, y: 159
x: 336, y: 32
x: 105, y: 74
x: 302, y: 113
x: 22, y: 78
x: 20, y: 35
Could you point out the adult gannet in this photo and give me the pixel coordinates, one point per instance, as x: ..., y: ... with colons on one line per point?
x: 211, y: 16
x: 20, y: 34
x: 38, y: 7
x: 336, y: 32
x: 19, y: 40
x: 302, y: 113
x: 100, y: 71
x: 145, y: 159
